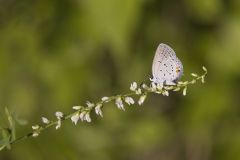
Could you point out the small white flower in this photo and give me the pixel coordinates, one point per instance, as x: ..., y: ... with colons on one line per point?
x: 75, y: 118
x: 87, y: 117
x: 185, y: 91
x: 45, y: 120
x: 129, y: 100
x: 82, y: 115
x: 138, y: 91
x: 105, y: 99
x: 59, y: 115
x: 35, y: 134
x: 119, y: 103
x: 165, y: 93
x: 89, y: 104
x: 77, y: 107
x: 98, y: 109
x: 142, y: 99
x: 194, y: 75
x: 36, y: 127
x: 133, y: 86
x: 58, y: 124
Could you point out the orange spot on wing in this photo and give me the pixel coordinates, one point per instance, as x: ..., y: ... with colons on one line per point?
x: 178, y: 69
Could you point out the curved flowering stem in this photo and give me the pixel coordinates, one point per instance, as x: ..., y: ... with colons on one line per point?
x: 83, y: 113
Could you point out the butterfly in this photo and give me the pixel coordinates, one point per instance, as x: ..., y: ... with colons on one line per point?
x: 167, y: 69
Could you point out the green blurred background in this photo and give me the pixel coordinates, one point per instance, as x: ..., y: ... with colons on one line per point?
x: 58, y: 53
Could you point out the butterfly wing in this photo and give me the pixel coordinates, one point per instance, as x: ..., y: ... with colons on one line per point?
x: 164, y: 65
x: 158, y: 58
x: 180, y: 69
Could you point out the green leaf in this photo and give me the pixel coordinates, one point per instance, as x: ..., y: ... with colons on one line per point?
x: 6, y: 134
x: 11, y: 124
x: 2, y: 142
x: 2, y: 147
x: 18, y: 120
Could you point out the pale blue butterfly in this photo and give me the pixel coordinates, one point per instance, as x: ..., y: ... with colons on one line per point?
x: 167, y: 68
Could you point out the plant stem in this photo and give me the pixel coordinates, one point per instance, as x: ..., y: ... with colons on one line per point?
x: 112, y: 98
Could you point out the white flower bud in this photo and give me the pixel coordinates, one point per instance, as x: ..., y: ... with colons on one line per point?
x: 35, y: 134
x: 77, y: 107
x: 194, y: 75
x: 142, y: 99
x: 105, y: 99
x: 36, y: 127
x: 185, y: 91
x: 204, y: 68
x: 45, y: 120
x: 202, y: 79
